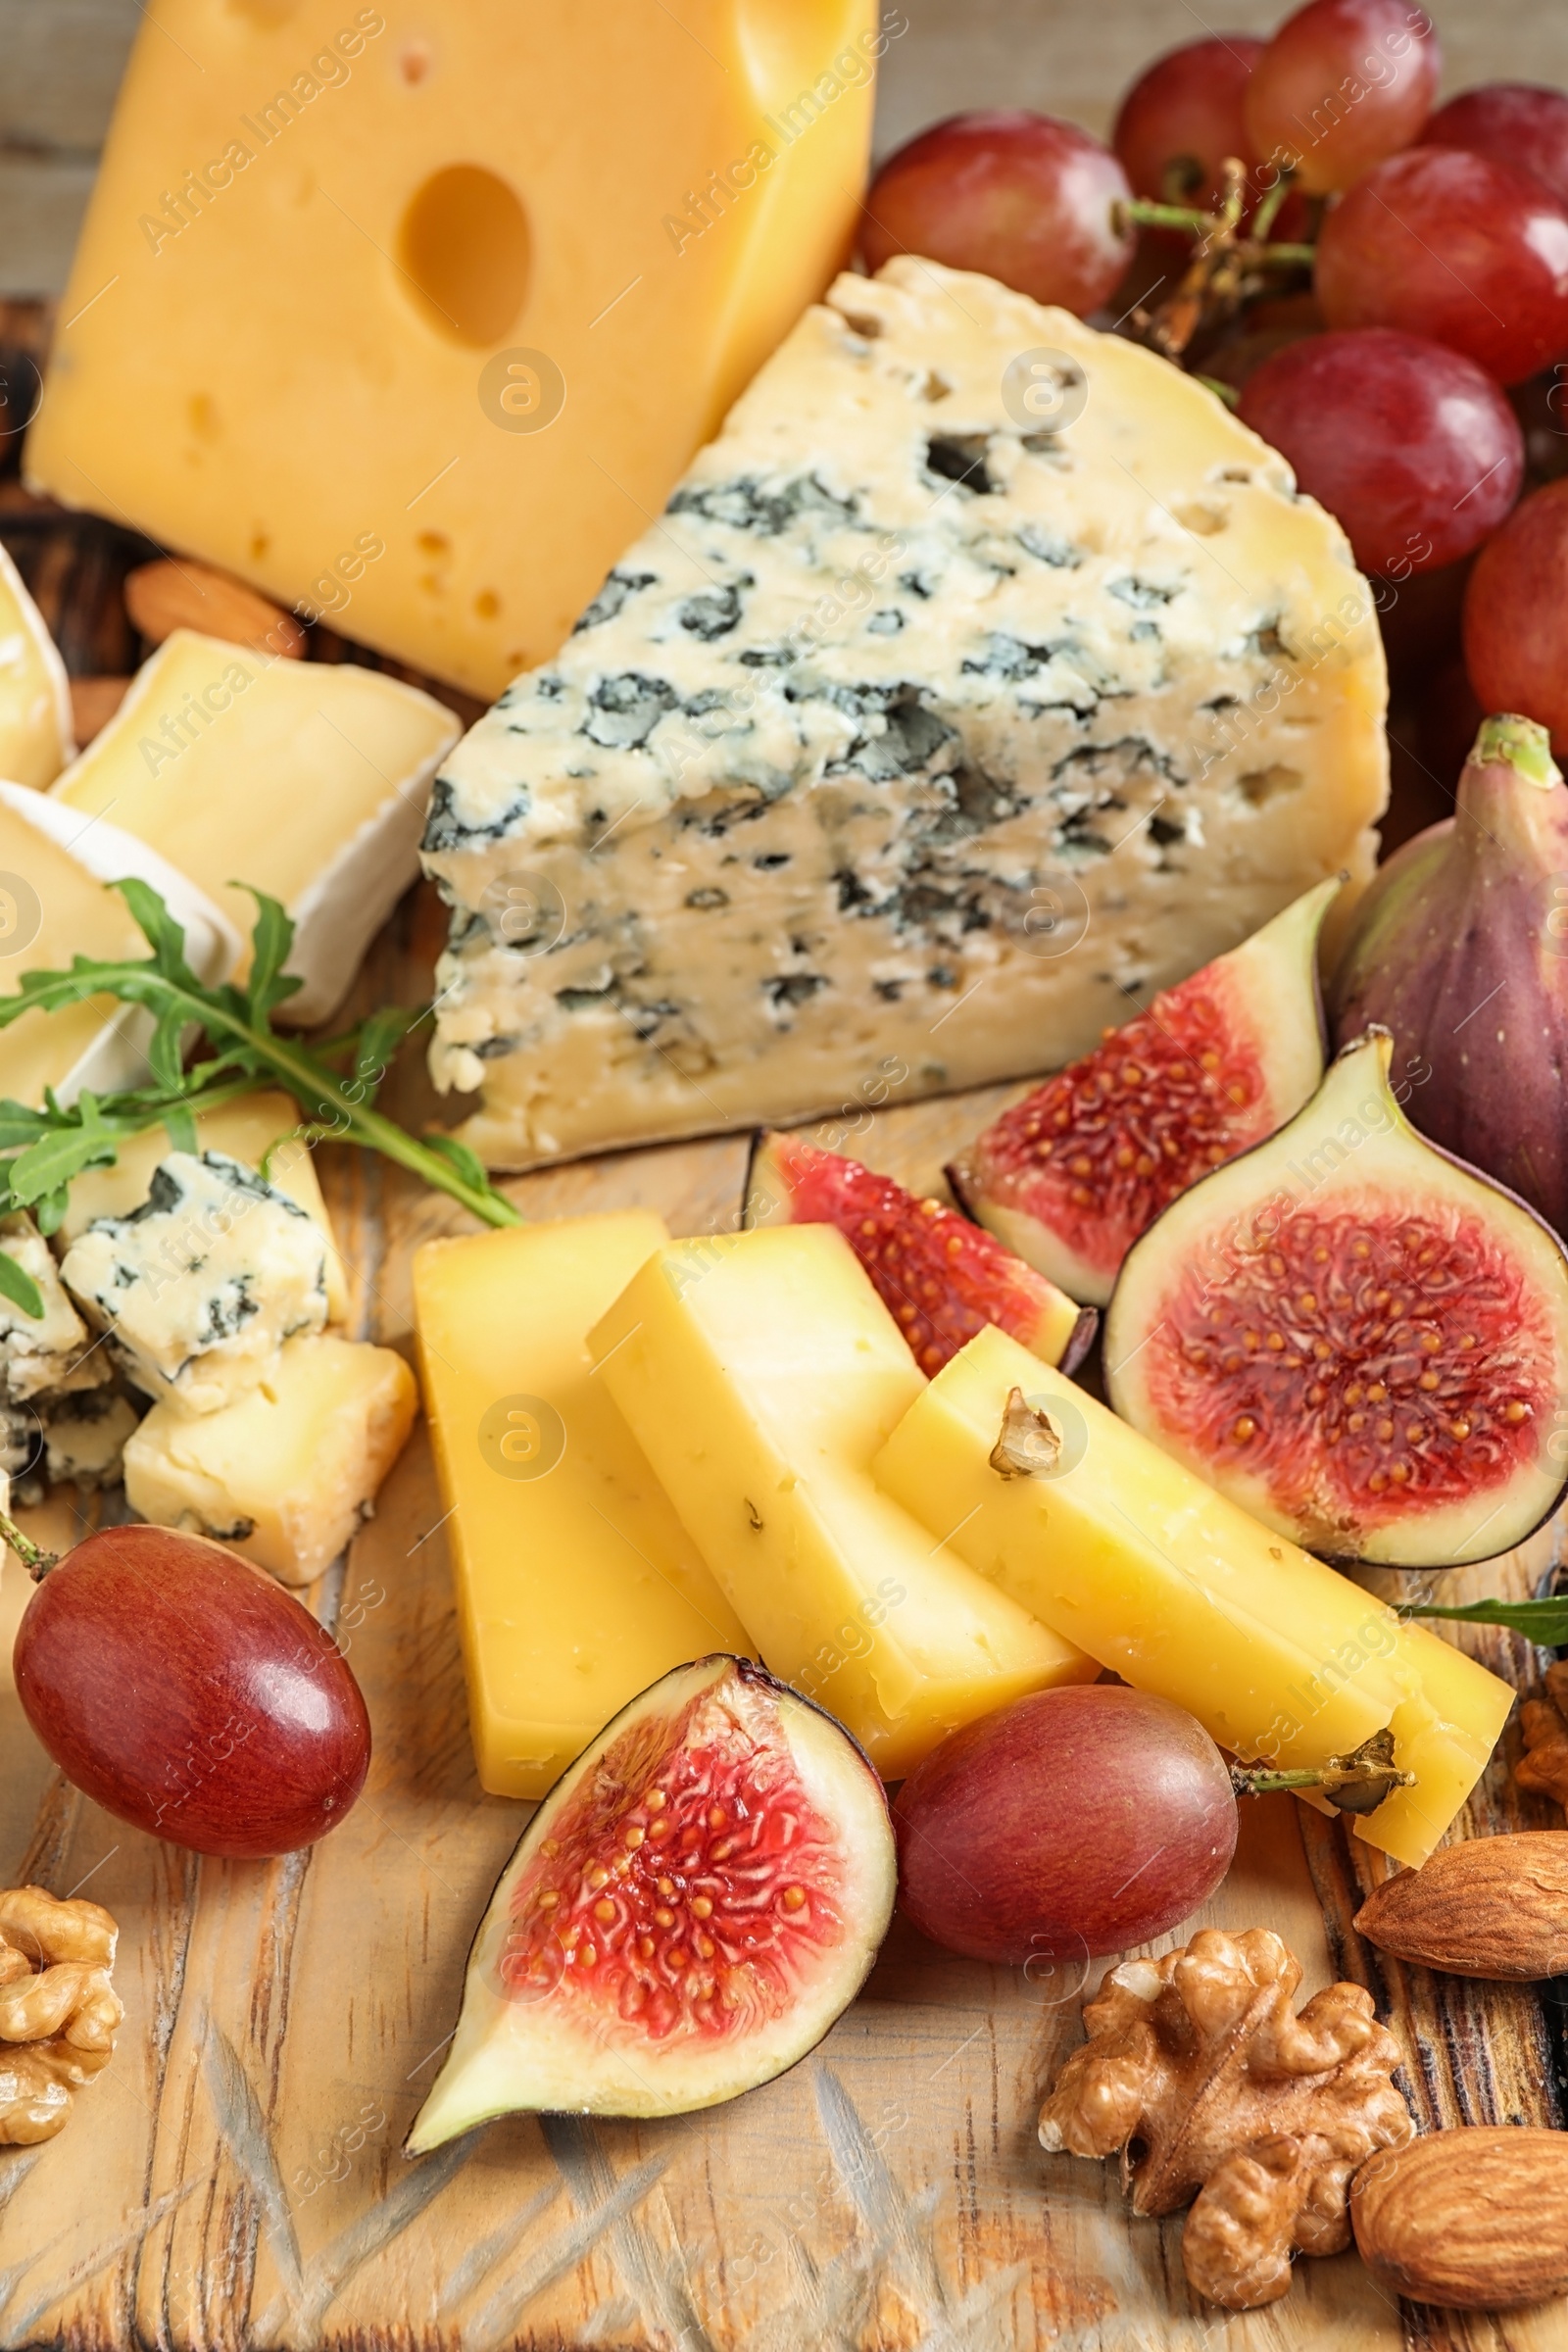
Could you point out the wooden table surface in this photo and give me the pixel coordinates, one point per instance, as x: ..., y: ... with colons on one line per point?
x: 234, y: 2177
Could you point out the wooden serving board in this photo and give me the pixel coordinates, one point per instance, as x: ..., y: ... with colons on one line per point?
x: 234, y: 2177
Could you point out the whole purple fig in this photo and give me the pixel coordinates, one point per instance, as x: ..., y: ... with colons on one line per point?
x: 1460, y: 948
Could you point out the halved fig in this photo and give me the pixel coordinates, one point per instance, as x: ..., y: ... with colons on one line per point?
x: 1070, y: 1176
x: 1354, y: 1336
x: 697, y: 1899
x: 941, y: 1278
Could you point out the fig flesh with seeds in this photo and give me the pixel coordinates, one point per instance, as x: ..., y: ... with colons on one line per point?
x: 1070, y: 1176
x: 1354, y: 1336
x: 941, y: 1278
x: 697, y: 1899
x: 1461, y: 949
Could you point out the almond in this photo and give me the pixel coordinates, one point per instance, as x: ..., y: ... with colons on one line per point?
x: 175, y: 594
x: 1492, y: 1908
x: 1470, y: 2220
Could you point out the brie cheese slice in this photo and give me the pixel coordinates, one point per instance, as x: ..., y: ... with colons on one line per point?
x: 54, y: 903
x: 35, y: 693
x: 307, y: 780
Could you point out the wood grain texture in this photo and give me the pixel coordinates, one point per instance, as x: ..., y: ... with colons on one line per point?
x: 233, y: 2179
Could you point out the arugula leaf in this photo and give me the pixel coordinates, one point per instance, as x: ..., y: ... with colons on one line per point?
x: 468, y: 1162
x: 270, y: 940
x: 166, y: 1055
x: 236, y: 1047
x: 1542, y: 1621
x: 379, y: 1041
x: 164, y: 935
x: 18, y: 1285
x: 180, y: 1127
x: 20, y: 1125
x: 63, y: 1152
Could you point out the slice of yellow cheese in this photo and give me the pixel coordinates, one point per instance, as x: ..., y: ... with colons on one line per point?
x: 761, y: 1372
x: 577, y: 1585
x: 1127, y: 1551
x: 414, y: 315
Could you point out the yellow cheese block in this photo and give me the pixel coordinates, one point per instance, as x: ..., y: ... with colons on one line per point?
x: 413, y: 314
x: 34, y: 695
x: 1127, y: 1552
x: 288, y: 1471
x: 577, y: 1585
x: 307, y: 780
x: 257, y: 1129
x: 1444, y: 1733
x: 761, y: 1372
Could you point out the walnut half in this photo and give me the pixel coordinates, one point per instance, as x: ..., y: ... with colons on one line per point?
x: 58, y: 2009
x: 1214, y: 2090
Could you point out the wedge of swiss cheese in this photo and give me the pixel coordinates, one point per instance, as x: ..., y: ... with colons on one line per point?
x: 982, y: 677
x: 412, y: 313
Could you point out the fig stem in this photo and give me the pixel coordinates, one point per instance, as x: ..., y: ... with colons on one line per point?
x: 1510, y: 741
x: 36, y: 1561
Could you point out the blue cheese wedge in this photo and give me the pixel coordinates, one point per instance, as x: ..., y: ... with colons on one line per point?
x: 200, y: 1287
x: 983, y: 676
x: 288, y: 1472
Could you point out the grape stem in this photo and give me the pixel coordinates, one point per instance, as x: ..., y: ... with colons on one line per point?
x: 35, y: 1561
x: 1357, y: 1783
x: 1261, y: 253
x: 1227, y: 267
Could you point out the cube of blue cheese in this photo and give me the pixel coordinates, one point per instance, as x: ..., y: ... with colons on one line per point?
x: 289, y: 1470
x: 983, y: 676
x: 84, y: 1438
x: 51, y: 1352
x: 200, y: 1287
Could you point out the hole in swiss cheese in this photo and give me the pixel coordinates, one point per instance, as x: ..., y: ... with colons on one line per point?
x: 464, y: 243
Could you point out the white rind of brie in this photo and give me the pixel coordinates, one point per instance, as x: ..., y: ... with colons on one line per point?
x: 117, y: 1056
x: 306, y: 780
x: 35, y: 724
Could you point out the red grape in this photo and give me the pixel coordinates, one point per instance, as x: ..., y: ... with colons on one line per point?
x: 1183, y: 117
x: 184, y: 1692
x: 1413, y: 447
x: 1518, y: 123
x: 1452, y: 245
x: 1074, y: 1822
x: 1020, y: 197
x: 1516, y: 615
x: 1343, y: 84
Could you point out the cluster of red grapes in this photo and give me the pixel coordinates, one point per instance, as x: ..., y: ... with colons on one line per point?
x: 1439, y: 281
